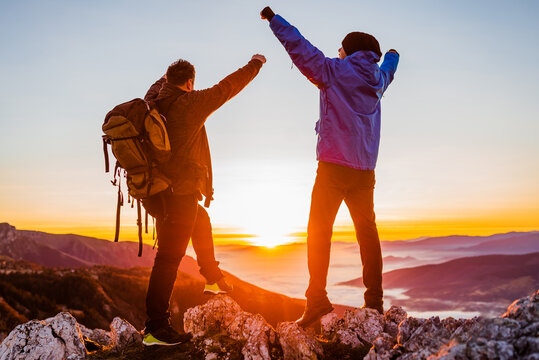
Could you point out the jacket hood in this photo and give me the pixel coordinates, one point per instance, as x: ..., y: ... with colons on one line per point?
x: 366, y: 64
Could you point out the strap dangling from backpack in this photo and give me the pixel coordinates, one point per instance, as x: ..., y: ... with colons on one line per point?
x: 119, y: 204
x: 153, y: 235
x: 106, y: 153
x: 146, y: 221
x: 139, y: 224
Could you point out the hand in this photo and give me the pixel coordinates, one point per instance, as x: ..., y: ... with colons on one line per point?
x: 260, y: 58
x: 267, y: 13
x: 393, y: 50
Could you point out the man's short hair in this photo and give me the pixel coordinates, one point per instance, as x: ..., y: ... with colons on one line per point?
x: 180, y: 71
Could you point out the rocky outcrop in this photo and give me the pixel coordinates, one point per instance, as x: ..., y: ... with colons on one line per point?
x: 297, y: 343
x: 100, y: 336
x: 358, y: 327
x: 222, y: 315
x: 515, y: 335
x: 54, y: 338
x: 61, y: 337
x: 123, y: 334
x: 222, y: 330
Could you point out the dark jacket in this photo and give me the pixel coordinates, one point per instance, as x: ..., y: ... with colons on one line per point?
x: 186, y: 112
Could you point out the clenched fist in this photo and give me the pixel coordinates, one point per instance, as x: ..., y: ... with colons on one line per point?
x: 260, y: 58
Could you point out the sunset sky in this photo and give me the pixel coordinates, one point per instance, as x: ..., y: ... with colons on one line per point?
x: 459, y: 151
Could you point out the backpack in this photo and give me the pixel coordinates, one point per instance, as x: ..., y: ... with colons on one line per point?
x: 138, y: 137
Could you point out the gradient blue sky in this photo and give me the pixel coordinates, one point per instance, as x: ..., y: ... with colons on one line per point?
x: 459, y: 126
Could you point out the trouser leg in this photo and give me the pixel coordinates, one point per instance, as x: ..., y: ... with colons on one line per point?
x: 361, y: 205
x: 325, y: 202
x: 173, y: 232
x: 203, y: 245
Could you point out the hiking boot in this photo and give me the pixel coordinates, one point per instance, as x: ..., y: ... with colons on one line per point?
x: 165, y: 336
x: 378, y: 308
x: 220, y: 287
x: 313, y: 313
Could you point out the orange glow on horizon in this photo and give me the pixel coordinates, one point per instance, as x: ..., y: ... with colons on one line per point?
x: 271, y: 237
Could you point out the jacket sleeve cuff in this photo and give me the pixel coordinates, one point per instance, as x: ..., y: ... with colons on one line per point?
x: 256, y: 62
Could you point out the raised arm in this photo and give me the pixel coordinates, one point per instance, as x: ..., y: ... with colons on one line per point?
x: 308, y: 58
x: 153, y: 91
x: 389, y: 66
x: 213, y: 98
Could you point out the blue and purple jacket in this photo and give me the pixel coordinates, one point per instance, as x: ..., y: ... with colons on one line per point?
x: 350, y: 91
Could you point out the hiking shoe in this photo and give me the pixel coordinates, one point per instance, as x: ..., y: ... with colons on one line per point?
x: 165, y: 336
x: 220, y: 287
x: 378, y: 308
x: 313, y: 313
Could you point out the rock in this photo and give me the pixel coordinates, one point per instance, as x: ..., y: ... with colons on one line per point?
x: 395, y: 314
x: 296, y: 343
x: 478, y: 350
x: 218, y: 314
x: 527, y: 345
x: 525, y: 309
x: 359, y: 327
x: 392, y: 318
x: 514, y: 335
x: 221, y: 314
x: 381, y: 348
x: 499, y: 329
x: 100, y: 336
x: 58, y: 337
x: 123, y: 334
x: 213, y: 349
x: 407, y: 327
x: 428, y: 337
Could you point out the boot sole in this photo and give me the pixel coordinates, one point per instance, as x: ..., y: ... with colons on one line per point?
x: 211, y: 292
x: 161, y: 343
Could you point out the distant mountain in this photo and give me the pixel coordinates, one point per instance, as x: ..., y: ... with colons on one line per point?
x: 73, y: 251
x: 400, y: 260
x: 464, y: 242
x: 508, y: 243
x: 468, y: 282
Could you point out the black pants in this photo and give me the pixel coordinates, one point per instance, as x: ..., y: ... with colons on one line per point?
x: 182, y: 220
x: 333, y: 184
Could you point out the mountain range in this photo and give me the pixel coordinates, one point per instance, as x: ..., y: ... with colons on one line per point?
x: 41, y: 273
x: 464, y: 283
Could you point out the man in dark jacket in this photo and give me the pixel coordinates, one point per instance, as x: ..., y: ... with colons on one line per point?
x: 179, y: 216
x: 351, y: 87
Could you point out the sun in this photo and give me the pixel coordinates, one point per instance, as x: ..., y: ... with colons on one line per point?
x: 269, y: 234
x: 270, y: 240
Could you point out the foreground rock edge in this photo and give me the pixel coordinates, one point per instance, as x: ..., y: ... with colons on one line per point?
x: 222, y: 330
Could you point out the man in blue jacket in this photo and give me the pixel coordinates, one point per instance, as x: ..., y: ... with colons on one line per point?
x: 348, y: 130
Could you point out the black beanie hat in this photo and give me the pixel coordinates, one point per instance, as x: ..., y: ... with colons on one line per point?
x: 356, y: 41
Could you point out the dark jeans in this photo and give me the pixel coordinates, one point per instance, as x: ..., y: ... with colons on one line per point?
x: 333, y: 184
x: 183, y: 219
